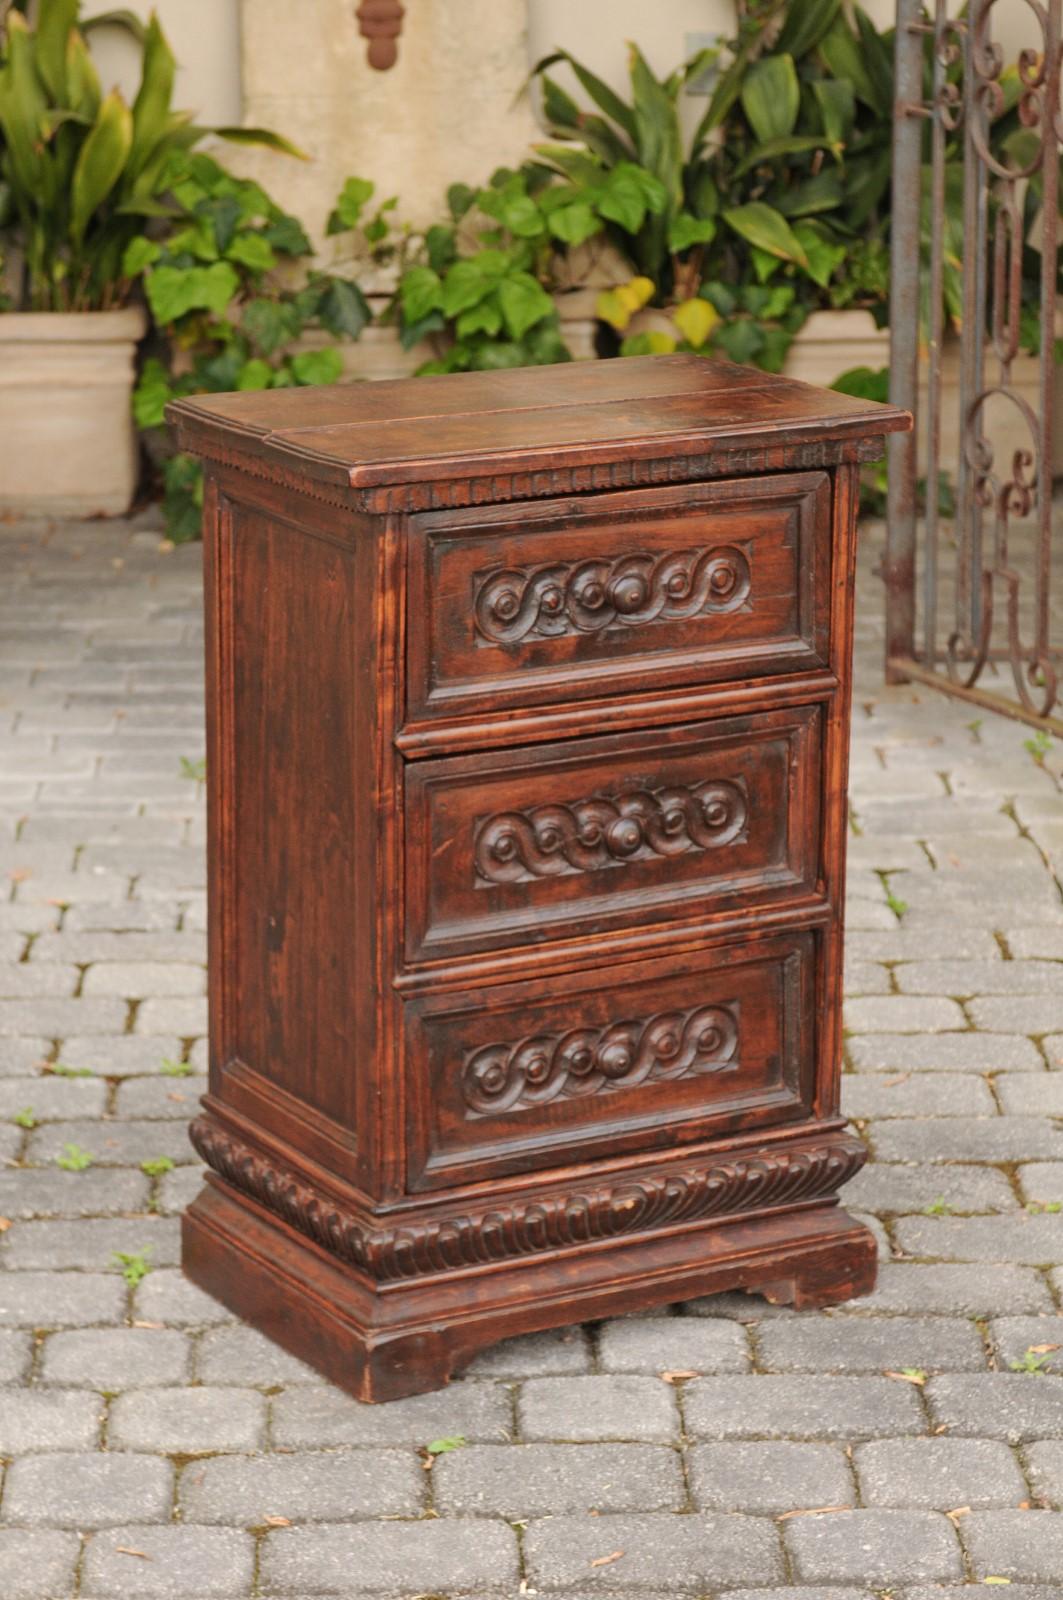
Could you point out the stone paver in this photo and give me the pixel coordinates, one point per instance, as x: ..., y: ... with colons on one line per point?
x: 149, y: 1419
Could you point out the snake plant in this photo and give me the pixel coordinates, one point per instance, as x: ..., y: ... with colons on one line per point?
x: 80, y: 169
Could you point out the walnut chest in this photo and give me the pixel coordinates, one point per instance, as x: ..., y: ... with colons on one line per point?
x: 527, y: 740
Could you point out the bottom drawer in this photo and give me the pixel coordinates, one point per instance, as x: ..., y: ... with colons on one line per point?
x: 643, y: 1056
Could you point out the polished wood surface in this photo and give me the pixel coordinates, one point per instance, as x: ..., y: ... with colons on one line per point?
x: 527, y: 746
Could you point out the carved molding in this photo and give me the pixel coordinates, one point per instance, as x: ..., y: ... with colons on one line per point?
x: 552, y: 841
x: 602, y: 1211
x: 585, y: 1061
x: 589, y: 596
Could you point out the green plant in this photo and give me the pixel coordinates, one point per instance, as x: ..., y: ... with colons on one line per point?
x: 195, y: 770
x: 25, y: 1118
x: 176, y: 1069
x: 442, y: 1447
x: 1038, y: 746
x: 1031, y: 1362
x: 156, y: 1166
x: 134, y: 1264
x: 480, y: 281
x: 777, y: 205
x: 59, y: 1069
x: 74, y: 1158
x: 219, y: 285
x: 938, y: 1207
x: 896, y: 904
x: 81, y: 170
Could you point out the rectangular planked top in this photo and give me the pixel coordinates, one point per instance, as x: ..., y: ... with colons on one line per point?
x: 531, y: 419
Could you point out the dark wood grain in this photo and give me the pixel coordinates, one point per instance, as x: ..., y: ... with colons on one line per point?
x: 527, y: 744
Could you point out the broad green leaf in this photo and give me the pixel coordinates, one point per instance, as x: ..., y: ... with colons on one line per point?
x: 603, y: 96
x: 524, y: 302
x: 255, y: 374
x: 824, y: 192
x: 865, y: 383
x: 82, y: 80
x: 844, y: 59
x: 628, y: 193
x: 22, y: 109
x: 286, y: 234
x: 269, y: 324
x: 261, y: 136
x: 350, y: 203
x: 685, y: 230
x: 151, y: 108
x: 139, y: 253
x: 56, y: 22
x: 730, y: 85
x: 574, y: 223
x: 559, y: 108
x: 468, y: 281
x: 152, y: 395
x: 253, y: 251
x: 768, y: 230
x: 823, y: 254
x: 741, y: 340
x: 576, y: 165
x: 344, y: 310
x: 657, y: 136
x: 421, y: 292
x: 834, y: 98
x: 695, y: 320
x: 459, y: 198
x: 804, y: 25
x: 484, y: 318
x: 771, y: 98
x: 795, y: 144
x: 317, y: 366
x: 100, y: 162
x: 174, y: 291
x: 656, y: 343
x: 878, y: 56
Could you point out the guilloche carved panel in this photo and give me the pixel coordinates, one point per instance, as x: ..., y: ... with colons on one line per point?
x: 586, y: 1061
x: 605, y: 831
x: 628, y: 591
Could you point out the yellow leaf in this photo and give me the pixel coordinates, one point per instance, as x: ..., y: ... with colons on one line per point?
x: 695, y: 320
x: 618, y: 306
x: 996, y: 1580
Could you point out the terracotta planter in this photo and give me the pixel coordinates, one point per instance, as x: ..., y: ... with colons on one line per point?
x: 67, y: 441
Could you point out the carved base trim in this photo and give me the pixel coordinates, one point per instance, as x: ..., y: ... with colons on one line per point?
x: 594, y: 1213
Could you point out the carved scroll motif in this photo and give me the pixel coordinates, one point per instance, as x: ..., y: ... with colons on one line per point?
x: 584, y: 597
x: 586, y: 1061
x: 608, y: 831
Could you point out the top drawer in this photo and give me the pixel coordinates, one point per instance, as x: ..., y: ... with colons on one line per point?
x: 569, y: 599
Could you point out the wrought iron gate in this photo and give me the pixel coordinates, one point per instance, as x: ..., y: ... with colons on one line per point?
x: 975, y: 221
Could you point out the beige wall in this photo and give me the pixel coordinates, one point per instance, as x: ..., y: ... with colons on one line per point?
x: 205, y: 37
x: 444, y: 113
x: 448, y: 111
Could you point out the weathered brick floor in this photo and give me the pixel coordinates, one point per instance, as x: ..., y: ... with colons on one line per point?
x: 155, y: 1447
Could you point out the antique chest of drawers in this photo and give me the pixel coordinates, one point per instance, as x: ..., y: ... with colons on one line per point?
x: 527, y: 744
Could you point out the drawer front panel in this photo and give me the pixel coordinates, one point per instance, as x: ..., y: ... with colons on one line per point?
x: 640, y: 1057
x: 525, y: 606
x: 527, y: 846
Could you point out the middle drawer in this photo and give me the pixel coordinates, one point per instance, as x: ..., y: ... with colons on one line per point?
x: 636, y: 828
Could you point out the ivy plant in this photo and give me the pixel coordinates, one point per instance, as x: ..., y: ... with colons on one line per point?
x: 225, y: 312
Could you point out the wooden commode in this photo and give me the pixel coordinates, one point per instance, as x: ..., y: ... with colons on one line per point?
x: 527, y: 744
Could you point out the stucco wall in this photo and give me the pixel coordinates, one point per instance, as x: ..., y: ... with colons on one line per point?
x: 450, y: 110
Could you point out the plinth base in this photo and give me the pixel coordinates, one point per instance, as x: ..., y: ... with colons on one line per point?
x: 384, y: 1341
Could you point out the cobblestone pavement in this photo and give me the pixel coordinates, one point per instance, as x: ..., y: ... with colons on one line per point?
x: 154, y: 1446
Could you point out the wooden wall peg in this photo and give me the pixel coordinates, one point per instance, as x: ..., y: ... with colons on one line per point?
x: 380, y: 21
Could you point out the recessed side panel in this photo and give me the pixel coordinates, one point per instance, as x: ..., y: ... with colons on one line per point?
x: 521, y: 847
x: 291, y: 931
x: 645, y: 1056
x: 567, y: 599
